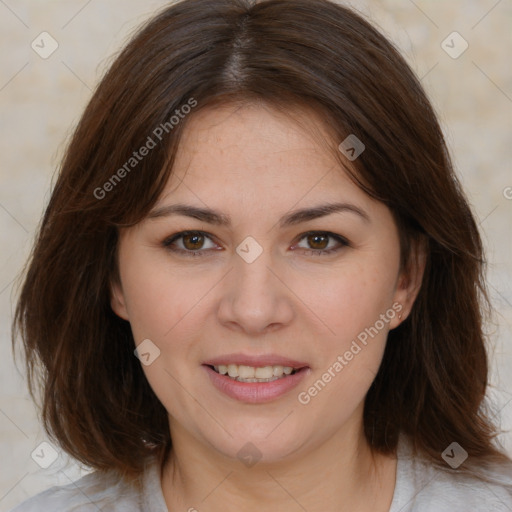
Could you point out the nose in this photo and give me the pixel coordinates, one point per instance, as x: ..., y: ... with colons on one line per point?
x: 255, y: 299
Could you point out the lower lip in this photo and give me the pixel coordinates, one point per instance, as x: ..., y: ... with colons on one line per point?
x: 255, y: 392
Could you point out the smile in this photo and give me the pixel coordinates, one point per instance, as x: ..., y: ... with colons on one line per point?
x: 235, y: 381
x: 243, y: 373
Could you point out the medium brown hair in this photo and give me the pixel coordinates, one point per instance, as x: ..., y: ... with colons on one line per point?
x: 96, y: 401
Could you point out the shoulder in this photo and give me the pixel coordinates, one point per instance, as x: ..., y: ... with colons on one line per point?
x: 441, y: 491
x: 93, y: 492
x: 423, y: 487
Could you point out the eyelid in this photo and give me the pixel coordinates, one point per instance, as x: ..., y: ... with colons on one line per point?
x: 176, y: 236
x: 341, y: 239
x: 343, y: 242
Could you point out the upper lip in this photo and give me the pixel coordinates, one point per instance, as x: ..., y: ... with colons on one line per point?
x: 255, y: 361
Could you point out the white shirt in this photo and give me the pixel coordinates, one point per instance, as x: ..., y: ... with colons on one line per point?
x: 420, y: 487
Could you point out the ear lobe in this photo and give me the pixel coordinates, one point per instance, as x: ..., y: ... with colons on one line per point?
x: 117, y: 301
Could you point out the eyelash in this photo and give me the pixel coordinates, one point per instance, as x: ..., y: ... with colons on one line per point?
x: 167, y: 243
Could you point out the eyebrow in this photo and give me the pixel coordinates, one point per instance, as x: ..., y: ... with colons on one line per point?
x: 290, y: 219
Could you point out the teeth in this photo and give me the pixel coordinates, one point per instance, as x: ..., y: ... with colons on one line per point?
x: 232, y: 370
x: 277, y: 371
x: 254, y: 374
x: 266, y: 372
x: 246, y: 372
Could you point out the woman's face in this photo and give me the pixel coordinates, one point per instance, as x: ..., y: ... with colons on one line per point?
x: 261, y: 287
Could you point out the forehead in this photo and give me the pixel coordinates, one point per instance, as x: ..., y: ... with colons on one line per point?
x: 254, y: 148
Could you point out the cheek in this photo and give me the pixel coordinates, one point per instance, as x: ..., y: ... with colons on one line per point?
x: 158, y: 299
x: 161, y: 306
x: 349, y: 299
x: 355, y: 305
x: 350, y: 357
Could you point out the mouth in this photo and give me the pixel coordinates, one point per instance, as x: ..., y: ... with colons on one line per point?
x: 255, y: 380
x: 243, y: 373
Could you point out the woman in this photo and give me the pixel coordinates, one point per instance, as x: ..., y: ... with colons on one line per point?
x: 258, y: 282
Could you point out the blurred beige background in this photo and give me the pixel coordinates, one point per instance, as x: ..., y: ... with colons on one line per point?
x: 42, y: 99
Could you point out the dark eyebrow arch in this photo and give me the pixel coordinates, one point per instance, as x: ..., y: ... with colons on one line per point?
x: 291, y: 219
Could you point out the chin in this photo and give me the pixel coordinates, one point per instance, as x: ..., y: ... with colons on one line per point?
x: 269, y: 443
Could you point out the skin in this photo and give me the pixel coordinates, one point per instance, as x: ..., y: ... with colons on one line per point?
x: 256, y: 165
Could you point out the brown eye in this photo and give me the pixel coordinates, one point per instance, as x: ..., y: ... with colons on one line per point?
x: 190, y: 243
x: 318, y: 241
x: 193, y: 241
x: 322, y: 242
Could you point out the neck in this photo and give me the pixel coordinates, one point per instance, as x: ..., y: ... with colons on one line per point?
x: 339, y: 474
